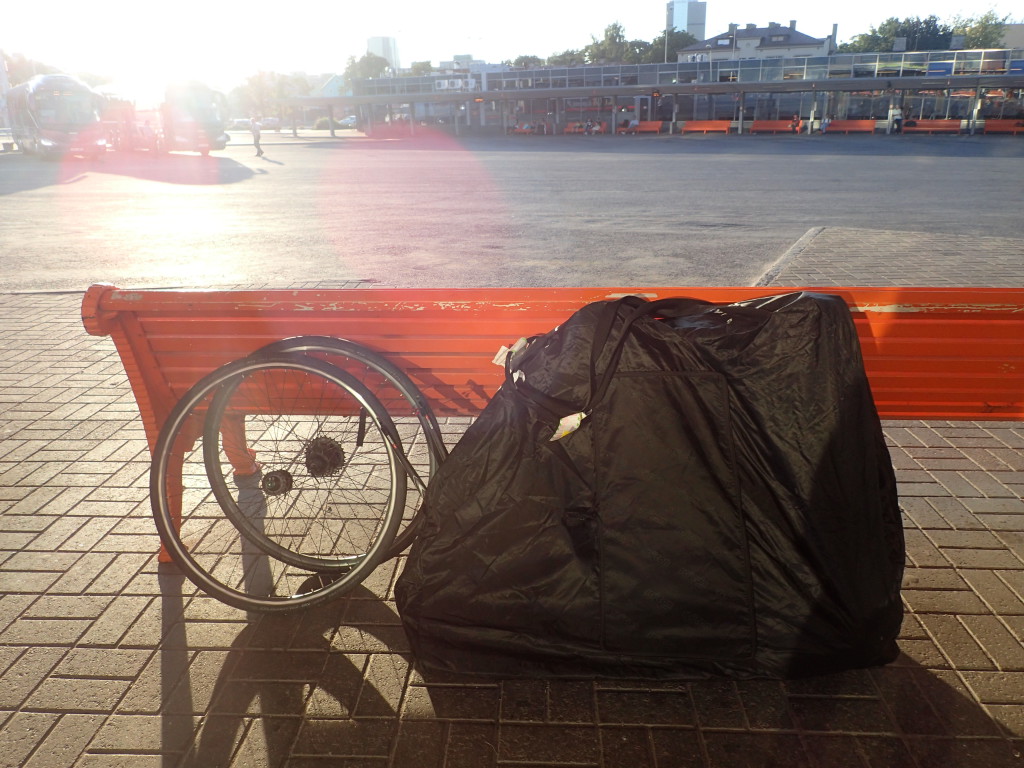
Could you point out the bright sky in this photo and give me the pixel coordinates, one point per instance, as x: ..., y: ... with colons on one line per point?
x: 224, y: 41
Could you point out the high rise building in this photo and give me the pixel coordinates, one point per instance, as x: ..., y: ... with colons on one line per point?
x: 386, y: 48
x: 687, y: 16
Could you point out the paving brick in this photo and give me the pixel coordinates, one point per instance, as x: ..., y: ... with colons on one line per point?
x: 885, y: 752
x: 905, y: 700
x: 68, y: 694
x: 525, y: 700
x: 263, y: 740
x: 997, y: 640
x: 996, y: 590
x: 933, y: 578
x: 922, y: 513
x: 983, y: 558
x: 111, y: 626
x: 546, y: 744
x: 145, y: 733
x: 66, y: 741
x: 998, y: 506
x: 922, y: 552
x: 718, y: 705
x: 40, y: 632
x: 625, y: 748
x: 677, y: 748
x: 832, y: 751
x: 956, y: 513
x: 996, y: 687
x: 464, y: 702
x: 956, y: 704
x: 345, y: 738
x: 953, y: 753
x: 939, y: 601
x: 1010, y: 717
x: 423, y: 743
x: 470, y: 745
x: 21, y: 734
x: 112, y: 663
x: 571, y: 701
x: 957, y: 643
x: 840, y: 714
x: 645, y: 707
x: 26, y: 673
x: 338, y: 689
x: 923, y: 653
x: 67, y: 607
x: 755, y: 750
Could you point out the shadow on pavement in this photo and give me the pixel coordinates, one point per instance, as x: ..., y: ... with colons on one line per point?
x: 283, y: 676
x: 326, y: 685
x: 19, y: 173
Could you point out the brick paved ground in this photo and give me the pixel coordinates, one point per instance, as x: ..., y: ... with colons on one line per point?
x: 108, y: 660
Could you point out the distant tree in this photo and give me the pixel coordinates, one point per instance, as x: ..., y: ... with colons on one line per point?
x: 677, y: 40
x: 260, y: 93
x: 419, y: 68
x: 254, y: 96
x: 20, y: 68
x: 371, y: 65
x: 927, y: 34
x: 985, y: 31
x: 526, y: 62
x: 610, y: 49
x: 567, y: 58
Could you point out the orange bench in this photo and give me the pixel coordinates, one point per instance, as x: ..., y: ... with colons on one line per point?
x: 774, y: 126
x: 1004, y: 125
x: 707, y: 126
x: 930, y: 353
x: 644, y: 126
x: 851, y: 126
x: 582, y: 128
x: 932, y: 126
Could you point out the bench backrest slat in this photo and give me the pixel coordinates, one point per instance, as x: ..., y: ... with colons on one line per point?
x: 931, y: 353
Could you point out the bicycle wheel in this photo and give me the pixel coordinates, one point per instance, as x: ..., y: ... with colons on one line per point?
x: 418, y: 430
x: 315, y: 455
x: 328, y: 495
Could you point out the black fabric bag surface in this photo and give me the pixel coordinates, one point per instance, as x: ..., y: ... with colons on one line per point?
x: 726, y: 506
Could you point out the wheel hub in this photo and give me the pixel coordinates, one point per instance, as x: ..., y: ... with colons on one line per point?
x: 277, y: 482
x: 324, y: 456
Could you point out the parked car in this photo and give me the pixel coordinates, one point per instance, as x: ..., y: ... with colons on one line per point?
x: 348, y: 122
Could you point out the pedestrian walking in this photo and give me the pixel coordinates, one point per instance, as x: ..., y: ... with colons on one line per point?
x: 254, y: 126
x: 897, y: 120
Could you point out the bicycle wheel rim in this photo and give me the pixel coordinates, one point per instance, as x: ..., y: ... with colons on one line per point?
x: 324, y: 467
x: 223, y: 560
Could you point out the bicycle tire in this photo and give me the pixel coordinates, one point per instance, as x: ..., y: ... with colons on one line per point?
x: 298, y: 455
x: 231, y: 562
x: 404, y: 402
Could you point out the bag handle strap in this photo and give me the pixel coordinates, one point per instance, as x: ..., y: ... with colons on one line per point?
x: 635, y: 308
x: 669, y: 307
